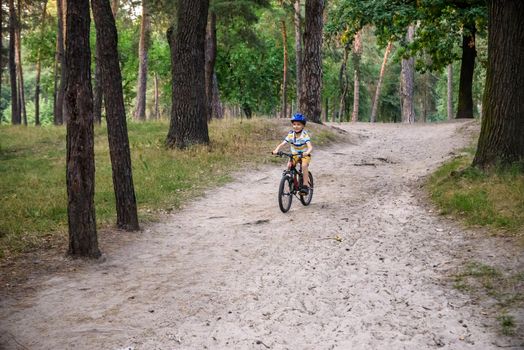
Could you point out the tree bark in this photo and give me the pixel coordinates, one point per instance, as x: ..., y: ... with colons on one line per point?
x: 16, y: 117
x: 310, y: 95
x: 408, y: 83
x: 501, y: 140
x: 218, y: 110
x: 78, y: 110
x: 143, y: 47
x: 211, y: 53
x: 156, y: 112
x: 284, y: 68
x: 19, y: 68
x: 469, y: 52
x: 60, y: 58
x: 114, y: 7
x: 98, y: 95
x: 376, y: 98
x: 357, y: 53
x: 450, y: 91
x: 38, y: 70
x: 106, y: 34
x: 188, y: 114
x: 343, y: 79
x: 298, y: 47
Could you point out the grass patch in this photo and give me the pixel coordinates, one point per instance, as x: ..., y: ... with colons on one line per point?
x: 494, y: 199
x: 33, y: 198
x: 481, y: 280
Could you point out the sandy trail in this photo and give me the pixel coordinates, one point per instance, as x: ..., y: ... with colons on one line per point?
x: 230, y: 271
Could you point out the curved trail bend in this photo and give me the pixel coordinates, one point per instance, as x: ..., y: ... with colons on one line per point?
x: 362, y: 267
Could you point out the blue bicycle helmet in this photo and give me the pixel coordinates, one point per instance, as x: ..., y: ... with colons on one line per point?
x: 297, y: 117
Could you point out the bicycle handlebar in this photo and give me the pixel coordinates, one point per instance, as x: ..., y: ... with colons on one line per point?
x: 280, y: 154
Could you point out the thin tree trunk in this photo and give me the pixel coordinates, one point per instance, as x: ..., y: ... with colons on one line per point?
x: 450, y: 91
x: 78, y: 110
x: 298, y: 47
x: 310, y: 99
x: 98, y: 94
x: 156, y: 112
x: 501, y: 140
x: 284, y: 69
x: 408, y: 83
x: 211, y: 53
x: 38, y: 70
x: 467, y: 67
x: 16, y: 118
x: 143, y: 47
x: 60, y: 57
x: 114, y: 7
x: 188, y: 114
x: 127, y: 217
x: 19, y: 69
x: 218, y: 110
x: 379, y: 83
x: 357, y: 53
x: 343, y: 79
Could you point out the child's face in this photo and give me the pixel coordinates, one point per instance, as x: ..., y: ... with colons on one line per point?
x: 297, y: 126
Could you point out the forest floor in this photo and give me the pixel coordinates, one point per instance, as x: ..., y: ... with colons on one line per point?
x: 368, y: 265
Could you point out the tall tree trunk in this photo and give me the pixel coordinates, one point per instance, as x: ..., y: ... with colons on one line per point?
x: 284, y: 68
x: 78, y: 110
x: 408, y: 83
x: 98, y: 94
x: 188, y: 114
x: 156, y: 112
x: 60, y: 58
x: 16, y: 117
x: 143, y: 47
x: 19, y: 69
x: 357, y: 53
x: 218, y: 110
x: 469, y: 52
x: 343, y: 79
x: 106, y: 36
x: 114, y: 7
x: 298, y: 47
x: 501, y: 138
x: 310, y: 99
x: 450, y: 91
x: 38, y: 69
x: 1, y: 55
x: 379, y: 83
x: 211, y: 53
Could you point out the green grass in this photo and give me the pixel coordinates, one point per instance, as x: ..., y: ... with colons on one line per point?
x: 506, y: 288
x: 494, y: 199
x: 32, y: 173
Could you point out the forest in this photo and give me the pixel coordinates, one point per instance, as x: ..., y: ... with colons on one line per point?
x: 81, y: 63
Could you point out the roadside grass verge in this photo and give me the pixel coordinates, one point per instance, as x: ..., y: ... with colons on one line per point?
x: 494, y: 200
x: 33, y: 197
x: 505, y: 288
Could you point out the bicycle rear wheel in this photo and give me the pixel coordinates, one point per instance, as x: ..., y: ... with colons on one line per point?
x: 285, y: 195
x: 305, y: 200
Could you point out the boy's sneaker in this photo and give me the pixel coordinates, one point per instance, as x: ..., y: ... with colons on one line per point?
x: 304, y: 190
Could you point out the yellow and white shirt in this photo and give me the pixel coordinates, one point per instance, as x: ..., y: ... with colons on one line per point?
x: 298, y: 142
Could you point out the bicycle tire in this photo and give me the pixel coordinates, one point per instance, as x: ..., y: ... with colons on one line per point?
x: 285, y: 195
x: 305, y: 200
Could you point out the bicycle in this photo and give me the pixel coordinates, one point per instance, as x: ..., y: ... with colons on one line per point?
x: 291, y: 183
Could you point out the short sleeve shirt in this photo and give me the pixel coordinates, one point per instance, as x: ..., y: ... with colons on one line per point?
x: 298, y: 142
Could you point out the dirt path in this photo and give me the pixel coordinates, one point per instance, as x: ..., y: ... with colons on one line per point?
x: 230, y: 271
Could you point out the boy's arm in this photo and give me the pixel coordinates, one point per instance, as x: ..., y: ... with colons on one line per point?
x: 309, y: 148
x: 280, y: 145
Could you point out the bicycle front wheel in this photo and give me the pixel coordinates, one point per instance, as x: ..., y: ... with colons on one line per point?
x: 305, y: 200
x: 285, y: 195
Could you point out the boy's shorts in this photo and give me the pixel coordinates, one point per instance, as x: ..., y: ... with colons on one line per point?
x: 305, y: 160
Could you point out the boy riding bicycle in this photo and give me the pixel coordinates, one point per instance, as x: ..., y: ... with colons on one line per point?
x: 301, y: 147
